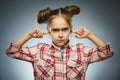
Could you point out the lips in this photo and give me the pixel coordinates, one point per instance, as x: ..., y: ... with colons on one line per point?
x: 60, y: 40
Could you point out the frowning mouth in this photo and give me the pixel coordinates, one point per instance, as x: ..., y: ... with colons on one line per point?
x: 60, y: 40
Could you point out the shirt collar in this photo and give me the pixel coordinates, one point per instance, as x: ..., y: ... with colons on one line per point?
x: 67, y: 46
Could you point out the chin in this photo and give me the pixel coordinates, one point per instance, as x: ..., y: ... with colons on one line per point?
x: 60, y: 45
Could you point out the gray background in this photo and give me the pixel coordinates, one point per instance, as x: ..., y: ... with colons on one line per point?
x: 17, y: 17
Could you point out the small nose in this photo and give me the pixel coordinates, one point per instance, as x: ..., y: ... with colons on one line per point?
x: 60, y: 34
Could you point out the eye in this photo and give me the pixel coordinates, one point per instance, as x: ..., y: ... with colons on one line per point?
x: 65, y: 29
x: 55, y: 30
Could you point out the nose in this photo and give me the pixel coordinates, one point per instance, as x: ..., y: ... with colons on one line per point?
x: 60, y: 34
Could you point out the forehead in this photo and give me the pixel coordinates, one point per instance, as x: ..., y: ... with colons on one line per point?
x: 59, y: 22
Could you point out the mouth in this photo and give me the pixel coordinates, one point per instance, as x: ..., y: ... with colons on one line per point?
x: 60, y: 40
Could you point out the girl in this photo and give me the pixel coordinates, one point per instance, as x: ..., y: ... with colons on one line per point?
x: 59, y: 60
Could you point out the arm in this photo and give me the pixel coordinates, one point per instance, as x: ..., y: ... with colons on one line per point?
x: 96, y: 40
x: 36, y: 33
x: 21, y: 41
x: 85, y: 33
x: 102, y: 51
x: 16, y: 50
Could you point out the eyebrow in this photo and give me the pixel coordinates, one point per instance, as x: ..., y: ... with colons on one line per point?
x: 65, y: 28
x: 55, y: 29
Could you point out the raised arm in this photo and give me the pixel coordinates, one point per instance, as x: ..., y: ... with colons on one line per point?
x: 85, y: 33
x: 15, y: 50
x: 35, y: 33
x: 101, y: 52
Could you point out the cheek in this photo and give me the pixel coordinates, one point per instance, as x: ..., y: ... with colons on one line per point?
x: 53, y: 36
x: 67, y: 35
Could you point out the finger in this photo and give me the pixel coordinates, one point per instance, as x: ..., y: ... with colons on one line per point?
x: 78, y: 36
x: 44, y: 33
x: 79, y: 32
x: 73, y: 31
x: 82, y: 29
x: 39, y: 35
x: 36, y: 31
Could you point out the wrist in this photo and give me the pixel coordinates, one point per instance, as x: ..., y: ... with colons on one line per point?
x: 28, y: 36
x: 90, y: 35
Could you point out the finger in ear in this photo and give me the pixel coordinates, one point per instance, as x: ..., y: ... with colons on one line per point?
x: 73, y: 31
x: 45, y: 33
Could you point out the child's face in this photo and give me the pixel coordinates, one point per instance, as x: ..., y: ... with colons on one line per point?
x: 59, y: 31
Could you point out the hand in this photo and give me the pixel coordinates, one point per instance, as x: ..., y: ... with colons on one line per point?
x: 81, y: 33
x: 37, y: 33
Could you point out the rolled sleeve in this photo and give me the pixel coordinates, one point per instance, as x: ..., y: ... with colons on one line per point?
x: 13, y: 48
x: 22, y: 53
x: 100, y: 53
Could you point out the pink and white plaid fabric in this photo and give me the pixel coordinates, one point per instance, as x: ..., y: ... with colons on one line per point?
x: 48, y: 64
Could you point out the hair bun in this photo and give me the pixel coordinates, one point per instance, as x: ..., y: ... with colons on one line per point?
x: 72, y: 9
x: 43, y: 15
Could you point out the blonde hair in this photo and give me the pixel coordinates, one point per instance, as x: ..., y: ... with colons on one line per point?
x: 47, y: 15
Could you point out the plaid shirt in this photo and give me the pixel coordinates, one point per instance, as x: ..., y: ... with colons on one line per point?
x: 51, y: 63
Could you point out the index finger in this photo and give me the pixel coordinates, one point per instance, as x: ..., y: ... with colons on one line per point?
x: 45, y: 33
x: 73, y: 31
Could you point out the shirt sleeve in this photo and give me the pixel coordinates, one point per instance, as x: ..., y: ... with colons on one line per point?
x: 97, y: 54
x: 22, y: 53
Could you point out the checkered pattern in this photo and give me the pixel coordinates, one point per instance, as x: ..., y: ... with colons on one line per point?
x: 49, y: 65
